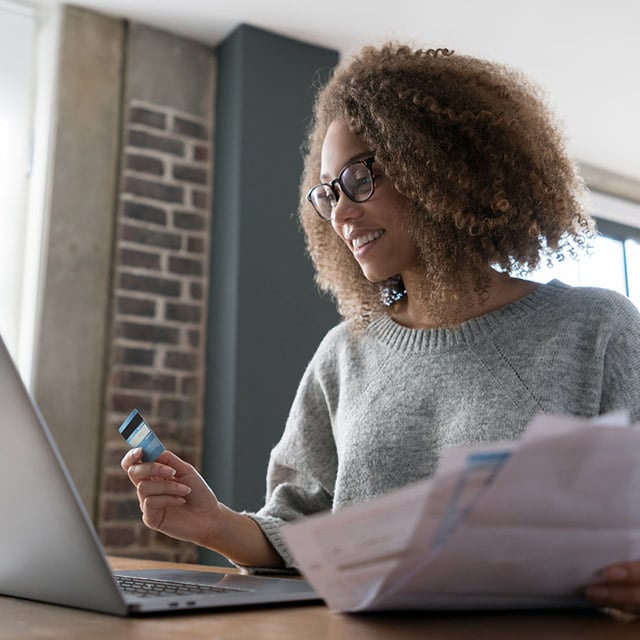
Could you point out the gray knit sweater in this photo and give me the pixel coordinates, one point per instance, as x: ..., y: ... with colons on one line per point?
x: 375, y: 410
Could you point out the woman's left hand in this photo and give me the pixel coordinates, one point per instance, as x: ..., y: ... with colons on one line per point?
x: 618, y: 587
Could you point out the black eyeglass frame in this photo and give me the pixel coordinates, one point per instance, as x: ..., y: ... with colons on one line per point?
x: 367, y: 162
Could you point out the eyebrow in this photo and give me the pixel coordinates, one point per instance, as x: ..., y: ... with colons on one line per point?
x: 357, y: 158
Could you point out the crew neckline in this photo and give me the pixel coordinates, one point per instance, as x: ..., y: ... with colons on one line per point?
x: 386, y: 330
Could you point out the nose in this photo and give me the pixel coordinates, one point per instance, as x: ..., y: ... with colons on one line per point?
x: 345, y: 209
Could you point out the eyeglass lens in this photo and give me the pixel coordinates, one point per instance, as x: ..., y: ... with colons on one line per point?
x: 356, y: 182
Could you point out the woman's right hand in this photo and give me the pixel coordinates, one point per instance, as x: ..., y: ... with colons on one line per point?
x: 175, y: 500
x: 173, y: 496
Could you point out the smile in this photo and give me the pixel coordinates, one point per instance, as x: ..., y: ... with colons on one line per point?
x: 356, y: 243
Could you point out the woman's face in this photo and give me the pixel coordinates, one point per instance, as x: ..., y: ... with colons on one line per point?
x: 376, y: 230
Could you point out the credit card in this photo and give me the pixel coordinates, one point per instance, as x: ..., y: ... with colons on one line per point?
x: 139, y: 434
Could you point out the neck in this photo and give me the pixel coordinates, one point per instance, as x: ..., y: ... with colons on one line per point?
x: 415, y: 312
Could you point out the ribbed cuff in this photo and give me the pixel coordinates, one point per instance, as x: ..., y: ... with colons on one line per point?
x: 271, y: 528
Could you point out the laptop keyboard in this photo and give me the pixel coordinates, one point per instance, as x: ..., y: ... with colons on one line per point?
x: 149, y: 588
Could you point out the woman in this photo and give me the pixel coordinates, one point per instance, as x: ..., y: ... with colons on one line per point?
x: 432, y: 180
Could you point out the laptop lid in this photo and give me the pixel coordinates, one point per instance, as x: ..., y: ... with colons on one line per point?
x: 49, y: 549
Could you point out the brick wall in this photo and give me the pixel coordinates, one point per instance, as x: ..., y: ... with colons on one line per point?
x: 157, y: 348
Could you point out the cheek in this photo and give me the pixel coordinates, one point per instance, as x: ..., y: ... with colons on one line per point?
x: 396, y: 204
x: 337, y: 229
x: 399, y: 218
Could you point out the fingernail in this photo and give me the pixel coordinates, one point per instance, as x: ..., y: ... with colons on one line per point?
x: 167, y: 472
x: 184, y: 490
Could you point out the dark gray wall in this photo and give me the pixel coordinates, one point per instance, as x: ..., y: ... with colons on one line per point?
x: 265, y: 315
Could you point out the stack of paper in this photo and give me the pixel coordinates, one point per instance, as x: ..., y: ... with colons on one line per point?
x: 524, y: 524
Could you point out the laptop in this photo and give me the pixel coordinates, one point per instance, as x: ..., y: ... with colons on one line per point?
x: 50, y: 551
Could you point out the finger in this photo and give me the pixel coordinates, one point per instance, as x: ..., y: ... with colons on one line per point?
x: 148, y: 488
x: 133, y: 456
x: 156, y: 503
x: 145, y: 470
x: 172, y: 460
x: 622, y: 573
x: 154, y: 510
x: 152, y: 490
x: 621, y: 597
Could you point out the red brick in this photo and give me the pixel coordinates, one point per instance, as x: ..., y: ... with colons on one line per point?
x: 145, y: 140
x: 118, y: 482
x: 197, y: 290
x: 190, y: 128
x: 148, y: 284
x: 140, y: 259
x: 152, y: 333
x: 182, y: 361
x: 133, y: 356
x: 154, y: 190
x: 149, y: 237
x: 162, y: 229
x: 190, y: 386
x: 117, y: 536
x: 189, y: 221
x: 121, y: 508
x: 196, y: 245
x: 145, y: 164
x: 144, y: 212
x: 142, y: 115
x: 190, y: 174
x: 200, y: 199
x: 183, y: 312
x: 125, y: 403
x: 176, y: 409
x: 193, y: 337
x: 136, y: 306
x: 201, y: 154
x: 143, y: 381
x: 186, y: 266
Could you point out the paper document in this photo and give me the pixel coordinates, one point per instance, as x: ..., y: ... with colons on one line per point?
x: 521, y: 524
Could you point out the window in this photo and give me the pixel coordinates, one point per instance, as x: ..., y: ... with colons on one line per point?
x: 28, y: 59
x: 17, y: 45
x: 614, y: 262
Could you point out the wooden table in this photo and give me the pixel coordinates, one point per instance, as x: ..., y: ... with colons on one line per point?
x: 23, y: 619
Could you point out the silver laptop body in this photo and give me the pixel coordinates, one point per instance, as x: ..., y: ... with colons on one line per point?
x: 49, y: 549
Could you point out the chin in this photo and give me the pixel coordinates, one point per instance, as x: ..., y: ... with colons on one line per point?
x: 371, y: 274
x: 377, y: 276
x: 374, y: 278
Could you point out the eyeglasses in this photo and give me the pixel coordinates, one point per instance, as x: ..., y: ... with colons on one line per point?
x: 356, y: 181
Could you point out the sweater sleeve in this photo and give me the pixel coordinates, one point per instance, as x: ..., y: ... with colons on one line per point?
x: 621, y: 376
x: 302, y: 468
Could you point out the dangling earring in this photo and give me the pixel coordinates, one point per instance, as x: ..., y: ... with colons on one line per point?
x: 392, y: 290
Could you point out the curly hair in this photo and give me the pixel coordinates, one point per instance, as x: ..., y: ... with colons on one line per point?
x: 474, y: 150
